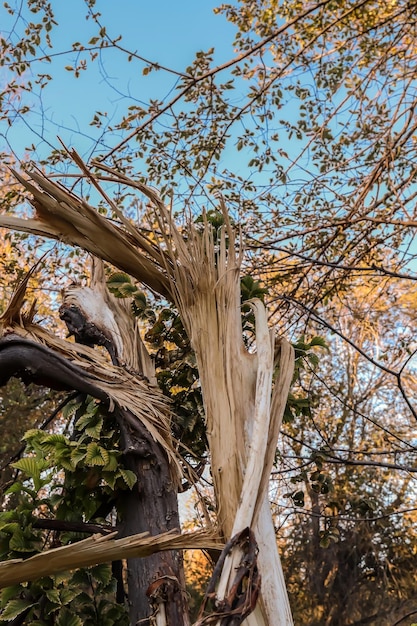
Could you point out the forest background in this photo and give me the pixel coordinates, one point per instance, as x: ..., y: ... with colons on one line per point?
x: 303, y: 117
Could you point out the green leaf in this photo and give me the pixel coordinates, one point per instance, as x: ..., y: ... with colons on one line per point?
x: 102, y: 573
x: 140, y: 304
x: 9, y: 527
x: 93, y: 406
x: 67, y: 618
x: 53, y: 596
x: 15, y: 608
x: 7, y: 516
x: 113, y: 463
x: 127, y: 289
x: 8, y: 593
x: 250, y: 288
x: 80, y: 577
x: 298, y: 498
x: 61, y: 577
x: 17, y: 487
x: 32, y: 433
x: 117, y: 279
x: 30, y: 466
x: 71, y: 408
x: 110, y: 478
x: 314, y: 359
x: 19, y: 542
x: 318, y: 341
x: 94, y: 430
x: 96, y: 455
x: 83, y: 421
x: 78, y: 455
x: 55, y: 438
x: 67, y: 595
x: 51, y: 441
x: 129, y: 477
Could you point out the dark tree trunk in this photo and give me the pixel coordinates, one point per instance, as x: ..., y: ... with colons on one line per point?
x: 151, y: 505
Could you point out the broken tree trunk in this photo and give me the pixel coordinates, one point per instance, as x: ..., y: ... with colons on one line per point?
x: 155, y: 583
x: 94, y: 316
x: 243, y: 413
x: 243, y: 406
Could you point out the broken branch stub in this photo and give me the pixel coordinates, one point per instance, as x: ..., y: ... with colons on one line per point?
x: 95, y: 317
x: 101, y: 549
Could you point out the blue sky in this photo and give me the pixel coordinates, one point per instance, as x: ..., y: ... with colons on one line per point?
x: 164, y: 31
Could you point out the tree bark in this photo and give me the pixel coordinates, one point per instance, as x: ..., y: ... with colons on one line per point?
x: 152, y: 506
